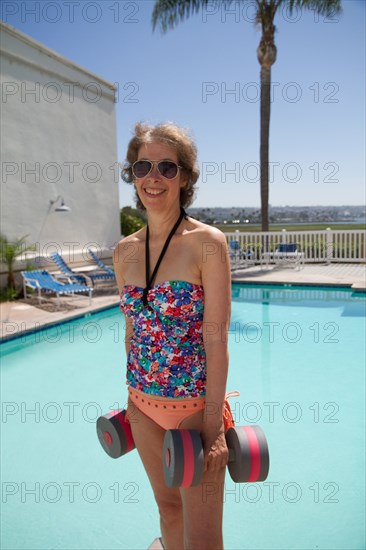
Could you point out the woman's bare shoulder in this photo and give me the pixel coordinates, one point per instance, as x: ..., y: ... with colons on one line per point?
x: 125, y: 245
x: 206, y: 233
x: 209, y: 244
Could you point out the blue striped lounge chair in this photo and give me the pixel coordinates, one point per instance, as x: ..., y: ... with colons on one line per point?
x: 109, y: 273
x: 82, y: 278
x: 42, y: 280
x: 289, y: 253
x: 238, y: 256
x: 234, y: 251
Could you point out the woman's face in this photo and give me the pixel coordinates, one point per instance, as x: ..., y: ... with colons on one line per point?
x: 156, y: 192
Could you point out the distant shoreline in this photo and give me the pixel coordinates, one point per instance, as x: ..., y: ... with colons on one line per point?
x: 291, y: 226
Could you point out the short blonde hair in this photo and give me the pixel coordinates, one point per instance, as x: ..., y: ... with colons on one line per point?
x: 175, y: 137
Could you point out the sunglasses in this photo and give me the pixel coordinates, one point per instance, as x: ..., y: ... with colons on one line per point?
x: 167, y: 168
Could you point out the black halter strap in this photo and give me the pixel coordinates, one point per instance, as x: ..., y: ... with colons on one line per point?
x: 149, y: 280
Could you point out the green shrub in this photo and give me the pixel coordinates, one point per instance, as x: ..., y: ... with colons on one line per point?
x: 131, y: 220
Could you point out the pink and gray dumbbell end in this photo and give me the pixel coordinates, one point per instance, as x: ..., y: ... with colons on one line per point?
x: 114, y: 433
x: 182, y: 458
x: 248, y: 454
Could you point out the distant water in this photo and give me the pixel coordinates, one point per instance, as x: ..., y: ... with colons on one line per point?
x: 356, y: 221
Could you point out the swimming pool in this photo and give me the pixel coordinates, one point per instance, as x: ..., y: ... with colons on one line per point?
x: 297, y: 356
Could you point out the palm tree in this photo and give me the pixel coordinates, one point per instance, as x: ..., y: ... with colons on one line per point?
x: 167, y: 13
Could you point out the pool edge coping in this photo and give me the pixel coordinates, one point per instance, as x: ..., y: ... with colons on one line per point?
x: 71, y: 317
x: 54, y: 322
x: 352, y: 286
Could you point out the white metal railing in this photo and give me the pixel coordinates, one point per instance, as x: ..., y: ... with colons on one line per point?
x: 330, y: 245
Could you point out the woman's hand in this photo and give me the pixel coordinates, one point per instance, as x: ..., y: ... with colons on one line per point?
x: 215, y: 450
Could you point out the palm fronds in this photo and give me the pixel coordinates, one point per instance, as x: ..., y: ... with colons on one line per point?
x: 168, y: 13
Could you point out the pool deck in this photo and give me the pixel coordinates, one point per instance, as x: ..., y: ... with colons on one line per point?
x: 347, y: 275
x: 19, y: 318
x: 23, y: 318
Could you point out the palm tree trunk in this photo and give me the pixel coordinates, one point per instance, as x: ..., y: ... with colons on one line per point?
x: 266, y: 53
x: 264, y: 145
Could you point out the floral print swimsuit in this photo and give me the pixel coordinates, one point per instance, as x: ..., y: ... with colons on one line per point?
x: 167, y: 356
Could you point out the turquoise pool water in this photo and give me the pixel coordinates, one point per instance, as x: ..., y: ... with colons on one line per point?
x: 297, y: 356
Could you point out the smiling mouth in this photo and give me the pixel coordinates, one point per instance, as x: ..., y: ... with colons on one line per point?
x: 153, y: 192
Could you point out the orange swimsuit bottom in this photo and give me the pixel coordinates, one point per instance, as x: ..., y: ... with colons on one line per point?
x: 169, y: 413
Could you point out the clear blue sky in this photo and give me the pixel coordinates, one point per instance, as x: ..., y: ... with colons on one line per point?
x: 317, y: 134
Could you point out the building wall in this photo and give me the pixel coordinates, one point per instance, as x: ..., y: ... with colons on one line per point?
x: 58, y: 138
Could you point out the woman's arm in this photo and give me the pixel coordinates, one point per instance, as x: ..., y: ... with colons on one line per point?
x: 118, y: 258
x: 216, y: 280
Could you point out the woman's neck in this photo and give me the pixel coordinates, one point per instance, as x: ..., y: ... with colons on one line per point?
x: 160, y: 224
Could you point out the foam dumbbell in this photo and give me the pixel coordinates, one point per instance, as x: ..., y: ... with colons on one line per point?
x: 248, y: 454
x: 183, y: 456
x: 114, y: 433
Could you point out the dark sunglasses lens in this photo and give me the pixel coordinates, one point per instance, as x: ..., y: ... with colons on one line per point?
x: 168, y: 169
x: 141, y: 168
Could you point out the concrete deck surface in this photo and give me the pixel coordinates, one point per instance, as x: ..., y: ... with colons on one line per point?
x: 351, y: 275
x: 19, y: 317
x: 22, y: 318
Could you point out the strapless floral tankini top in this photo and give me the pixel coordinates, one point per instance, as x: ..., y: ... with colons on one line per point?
x: 167, y: 356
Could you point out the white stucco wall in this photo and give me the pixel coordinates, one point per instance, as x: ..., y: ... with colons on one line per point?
x: 58, y: 138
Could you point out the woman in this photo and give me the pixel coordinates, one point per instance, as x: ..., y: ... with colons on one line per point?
x: 174, y: 279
